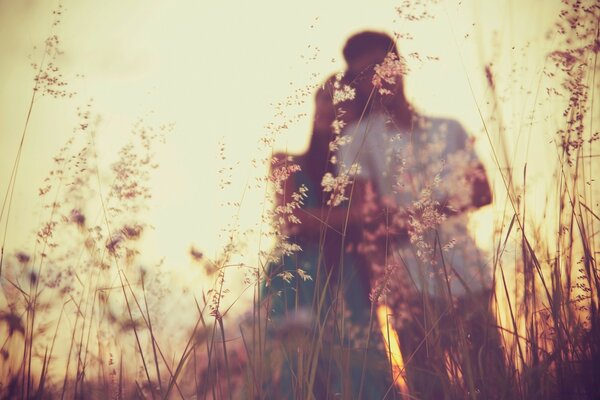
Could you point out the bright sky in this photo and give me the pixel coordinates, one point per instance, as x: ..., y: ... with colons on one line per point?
x: 215, y: 68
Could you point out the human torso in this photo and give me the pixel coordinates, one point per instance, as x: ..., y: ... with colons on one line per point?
x: 421, y: 169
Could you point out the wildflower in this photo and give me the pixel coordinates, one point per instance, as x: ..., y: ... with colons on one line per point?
x: 337, y: 125
x: 303, y: 275
x: 287, y: 276
x: 23, y: 258
x: 382, y: 285
x: 343, y: 93
x: 450, y: 245
x: 387, y: 72
x: 426, y: 217
x: 217, y: 314
x: 132, y: 232
x: 336, y: 186
x: 289, y: 248
x: 112, y: 245
x: 286, y: 211
x: 13, y: 321
x: 196, y: 254
x: 77, y: 218
x: 354, y: 169
x: 328, y: 181
x: 339, y: 141
x: 279, y: 175
x: 33, y: 277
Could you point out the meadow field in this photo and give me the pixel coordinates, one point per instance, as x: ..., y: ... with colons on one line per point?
x: 140, y: 216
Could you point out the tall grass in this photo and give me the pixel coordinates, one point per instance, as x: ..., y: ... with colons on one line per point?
x: 81, y: 319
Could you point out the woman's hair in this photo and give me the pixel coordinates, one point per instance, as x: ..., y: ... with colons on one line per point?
x: 317, y: 156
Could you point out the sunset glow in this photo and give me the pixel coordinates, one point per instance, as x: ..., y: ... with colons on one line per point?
x: 136, y: 143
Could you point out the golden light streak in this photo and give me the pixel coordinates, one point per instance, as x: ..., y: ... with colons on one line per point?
x: 392, y: 347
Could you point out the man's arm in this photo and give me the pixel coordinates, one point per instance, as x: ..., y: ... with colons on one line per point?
x: 482, y: 193
x: 476, y: 178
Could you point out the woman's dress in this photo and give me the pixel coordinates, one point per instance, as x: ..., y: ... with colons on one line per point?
x: 322, y: 331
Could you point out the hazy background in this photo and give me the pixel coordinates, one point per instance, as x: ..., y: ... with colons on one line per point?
x: 217, y: 69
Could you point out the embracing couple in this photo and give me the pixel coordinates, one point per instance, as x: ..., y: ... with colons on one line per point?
x: 378, y: 206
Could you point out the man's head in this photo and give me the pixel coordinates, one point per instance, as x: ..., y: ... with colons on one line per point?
x: 362, y: 52
x: 363, y: 42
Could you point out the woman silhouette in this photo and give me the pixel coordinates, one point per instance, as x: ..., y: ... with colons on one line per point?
x: 326, y: 341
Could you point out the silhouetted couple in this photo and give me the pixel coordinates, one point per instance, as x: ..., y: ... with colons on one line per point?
x: 382, y: 196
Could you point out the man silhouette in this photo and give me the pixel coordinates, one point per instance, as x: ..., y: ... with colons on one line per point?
x: 423, y: 177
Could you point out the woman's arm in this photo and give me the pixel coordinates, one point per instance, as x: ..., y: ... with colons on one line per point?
x: 306, y: 215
